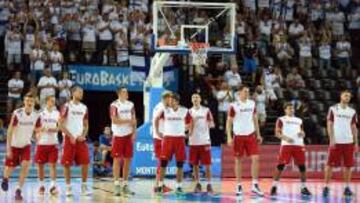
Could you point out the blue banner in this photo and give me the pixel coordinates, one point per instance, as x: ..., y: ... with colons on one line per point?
x: 108, y: 78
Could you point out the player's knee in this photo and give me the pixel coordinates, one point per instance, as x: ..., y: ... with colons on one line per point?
x: 302, y: 168
x: 179, y: 164
x: 163, y: 163
x: 280, y: 167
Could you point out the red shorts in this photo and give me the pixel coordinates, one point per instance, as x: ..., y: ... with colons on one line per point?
x: 46, y: 154
x: 122, y: 147
x: 245, y: 145
x: 341, y: 154
x: 78, y: 152
x: 157, y: 148
x: 171, y: 146
x: 291, y: 151
x: 18, y: 155
x: 200, y: 154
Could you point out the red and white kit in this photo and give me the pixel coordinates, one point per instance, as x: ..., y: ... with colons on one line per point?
x: 74, y: 116
x: 160, y: 107
x: 291, y: 126
x: 122, y: 145
x: 199, y: 141
x: 174, y: 133
x: 343, y: 151
x: 245, y: 141
x: 24, y: 125
x: 46, y: 149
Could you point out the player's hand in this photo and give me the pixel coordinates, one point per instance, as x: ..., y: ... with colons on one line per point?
x: 8, y: 153
x: 331, y: 143
x: 356, y: 148
x: 289, y: 140
x: 72, y: 140
x: 259, y: 139
x: 230, y: 142
x: 133, y: 121
x: 160, y: 134
x: 81, y: 138
x: 133, y: 137
x: 301, y: 134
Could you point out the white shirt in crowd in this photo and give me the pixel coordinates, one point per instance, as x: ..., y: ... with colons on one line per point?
x: 261, y: 103
x: 343, y: 119
x: 296, y: 29
x: 16, y: 84
x: 201, y: 118
x: 243, y: 117
x: 232, y: 79
x: 175, y: 121
x: 24, y: 126
x: 265, y: 27
x: 74, y: 116
x: 343, y: 47
x: 325, y: 51
x: 56, y: 58
x: 38, y: 63
x: 122, y: 110
x: 305, y: 49
x: 106, y: 33
x: 65, y: 85
x: 89, y: 33
x: 291, y: 126
x: 44, y: 81
x: 160, y: 107
x: 29, y: 42
x: 49, y: 120
x: 13, y: 42
x: 226, y: 97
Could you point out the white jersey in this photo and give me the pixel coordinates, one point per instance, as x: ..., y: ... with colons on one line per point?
x: 24, y: 126
x: 201, y: 132
x: 49, y: 120
x: 74, y: 115
x: 175, y: 121
x: 122, y: 110
x: 160, y: 107
x: 291, y: 126
x: 243, y: 115
x: 342, y: 119
x: 15, y: 83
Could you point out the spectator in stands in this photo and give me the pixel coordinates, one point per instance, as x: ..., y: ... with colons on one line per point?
x: 105, y: 38
x: 47, y: 85
x: 3, y: 131
x: 105, y: 146
x: 13, y: 40
x: 224, y: 97
x: 37, y: 59
x: 98, y: 166
x: 305, y: 56
x: 325, y: 55
x: 261, y: 100
x: 15, y: 88
x: 73, y: 27
x: 271, y: 82
x: 250, y: 58
x: 65, y: 85
x: 89, y: 38
x: 358, y: 90
x: 283, y: 50
x: 233, y: 78
x: 343, y: 53
x: 296, y: 30
x: 337, y: 20
x: 56, y: 60
x: 294, y: 80
x: 265, y: 27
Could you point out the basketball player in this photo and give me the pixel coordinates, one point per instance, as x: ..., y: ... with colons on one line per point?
x: 199, y: 141
x: 243, y: 123
x: 342, y: 131
x: 123, y: 125
x: 23, y: 124
x: 176, y: 121
x: 157, y: 140
x: 289, y: 129
x: 46, y: 150
x: 74, y: 124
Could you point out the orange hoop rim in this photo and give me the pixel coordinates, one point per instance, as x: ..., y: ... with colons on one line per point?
x: 195, y: 46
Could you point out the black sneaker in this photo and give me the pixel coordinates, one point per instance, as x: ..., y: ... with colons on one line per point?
x: 305, y: 192
x: 239, y: 191
x: 5, y: 184
x: 347, y: 192
x: 209, y: 189
x: 179, y: 191
x: 158, y: 190
x: 273, y: 191
x: 326, y: 192
x: 197, y: 188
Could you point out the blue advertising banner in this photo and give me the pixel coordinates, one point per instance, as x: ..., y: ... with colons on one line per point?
x: 108, y: 78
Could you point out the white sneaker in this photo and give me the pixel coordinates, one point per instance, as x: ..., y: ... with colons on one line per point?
x: 68, y: 192
x: 256, y: 190
x: 85, y: 191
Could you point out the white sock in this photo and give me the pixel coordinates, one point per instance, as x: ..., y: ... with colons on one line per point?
x: 116, y: 182
x: 303, y: 185
x: 68, y: 186
x: 161, y: 183
x: 178, y: 184
x: 18, y: 187
x: 52, y: 183
x: 208, y: 182
x: 239, y: 185
x: 125, y: 182
x: 275, y: 183
x: 83, y: 183
x: 41, y: 183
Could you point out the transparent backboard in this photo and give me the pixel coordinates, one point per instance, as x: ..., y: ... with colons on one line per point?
x: 176, y: 24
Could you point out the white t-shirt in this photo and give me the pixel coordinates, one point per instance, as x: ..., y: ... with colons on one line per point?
x: 343, y: 48
x: 223, y: 105
x: 74, y: 116
x: 66, y: 84
x: 24, y: 126
x: 265, y: 27
x: 156, y: 112
x: 44, y: 80
x: 201, y: 132
x: 325, y: 51
x: 175, y: 121
x: 122, y: 110
x: 105, y: 34
x: 305, y: 49
x: 56, y: 58
x: 342, y: 119
x: 296, y: 29
x: 38, y: 63
x: 49, y: 120
x: 261, y: 103
x: 15, y: 83
x: 291, y: 126
x: 243, y: 117
x: 29, y: 42
x: 89, y: 33
x: 233, y: 79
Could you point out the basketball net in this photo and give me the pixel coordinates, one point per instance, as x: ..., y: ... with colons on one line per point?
x: 198, y: 52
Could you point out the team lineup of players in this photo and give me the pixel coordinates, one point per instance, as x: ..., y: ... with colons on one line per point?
x: 172, y: 124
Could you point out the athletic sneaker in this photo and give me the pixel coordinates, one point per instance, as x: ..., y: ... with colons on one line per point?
x: 209, y: 189
x: 68, y: 192
x: 18, y: 196
x: 273, y: 191
x: 326, y: 192
x: 179, y: 191
x: 347, y: 192
x: 305, y: 192
x: 197, y: 188
x: 41, y: 190
x: 5, y: 184
x: 85, y: 191
x: 239, y: 190
x: 117, y: 190
x: 166, y: 189
x: 256, y: 190
x: 126, y: 190
x: 158, y: 190
x: 54, y: 191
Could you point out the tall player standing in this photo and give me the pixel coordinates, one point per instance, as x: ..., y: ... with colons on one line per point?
x: 74, y: 124
x: 47, y: 141
x: 123, y: 125
x: 289, y: 129
x: 176, y: 121
x: 200, y: 143
x: 342, y: 131
x: 24, y: 123
x: 157, y: 140
x: 243, y: 123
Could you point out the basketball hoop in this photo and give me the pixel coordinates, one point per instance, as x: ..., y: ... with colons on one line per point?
x: 198, y: 53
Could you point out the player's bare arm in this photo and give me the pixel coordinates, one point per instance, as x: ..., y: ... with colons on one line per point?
x: 65, y: 130
x: 330, y: 130
x: 278, y: 134
x: 9, y: 137
x: 85, y: 130
x: 156, y: 123
x: 229, y: 123
x: 134, y: 123
x: 354, y: 132
x: 257, y: 129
